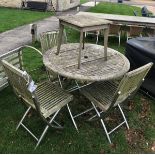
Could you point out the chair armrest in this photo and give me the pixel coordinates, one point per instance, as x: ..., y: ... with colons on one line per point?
x: 33, y: 49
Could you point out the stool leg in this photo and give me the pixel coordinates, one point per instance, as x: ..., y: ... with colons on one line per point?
x: 80, y: 48
x: 60, y: 38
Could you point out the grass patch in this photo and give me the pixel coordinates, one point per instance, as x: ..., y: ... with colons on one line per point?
x: 11, y: 18
x: 115, y: 8
x: 83, y: 1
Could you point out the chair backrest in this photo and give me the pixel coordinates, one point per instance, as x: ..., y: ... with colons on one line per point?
x: 20, y: 81
x: 49, y: 40
x: 131, y: 82
x: 135, y: 30
x: 114, y: 28
x: 15, y: 58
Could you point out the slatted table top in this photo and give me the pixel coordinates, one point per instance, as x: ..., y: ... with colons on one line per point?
x: 93, y: 66
x: 84, y: 21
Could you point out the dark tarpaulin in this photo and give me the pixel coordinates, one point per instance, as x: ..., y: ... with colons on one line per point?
x: 141, y: 51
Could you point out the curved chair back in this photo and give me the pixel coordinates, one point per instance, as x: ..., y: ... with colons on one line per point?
x: 20, y: 81
x: 114, y: 29
x: 50, y: 39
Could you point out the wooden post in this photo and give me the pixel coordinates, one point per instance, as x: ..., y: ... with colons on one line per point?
x: 34, y: 32
x: 106, y: 32
x: 95, y: 2
x: 61, y: 27
x: 80, y: 49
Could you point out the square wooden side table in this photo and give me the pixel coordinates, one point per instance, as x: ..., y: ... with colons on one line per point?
x: 83, y: 24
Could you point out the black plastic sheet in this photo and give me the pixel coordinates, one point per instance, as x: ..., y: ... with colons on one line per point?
x: 141, y: 51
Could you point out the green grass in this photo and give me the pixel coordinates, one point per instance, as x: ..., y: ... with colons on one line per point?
x: 11, y: 18
x: 91, y: 138
x: 114, y: 8
x: 83, y: 1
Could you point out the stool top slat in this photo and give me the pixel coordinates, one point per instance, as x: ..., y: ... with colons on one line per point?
x: 83, y: 21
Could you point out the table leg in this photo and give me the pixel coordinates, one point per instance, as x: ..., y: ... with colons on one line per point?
x: 83, y: 39
x: 80, y: 48
x: 60, y: 38
x: 106, y: 32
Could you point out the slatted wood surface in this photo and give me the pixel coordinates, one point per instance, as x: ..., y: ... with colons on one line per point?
x: 15, y: 58
x: 83, y: 21
x: 122, y: 19
x: 93, y: 66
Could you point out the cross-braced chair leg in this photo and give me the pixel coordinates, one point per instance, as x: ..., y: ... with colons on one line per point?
x: 25, y: 114
x: 72, y: 118
x: 119, y: 38
x: 103, y: 124
x: 77, y: 115
x: 123, y: 116
x: 46, y: 128
x: 44, y: 131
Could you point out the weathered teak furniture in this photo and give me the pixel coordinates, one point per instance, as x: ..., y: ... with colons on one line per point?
x: 93, y: 67
x: 122, y: 19
x: 83, y: 24
x: 115, y: 30
x: 45, y: 98
x: 49, y: 40
x: 150, y: 32
x: 109, y: 94
x: 134, y: 31
x: 96, y: 33
x: 15, y: 57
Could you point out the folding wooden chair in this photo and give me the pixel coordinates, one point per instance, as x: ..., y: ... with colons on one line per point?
x: 45, y: 98
x: 114, y: 30
x: 109, y: 94
x: 134, y: 31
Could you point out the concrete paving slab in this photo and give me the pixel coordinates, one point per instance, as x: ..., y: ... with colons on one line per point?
x: 91, y: 4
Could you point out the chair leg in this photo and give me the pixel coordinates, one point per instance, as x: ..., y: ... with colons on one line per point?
x: 72, y: 118
x: 119, y: 37
x: 123, y: 116
x: 60, y: 81
x: 97, y: 38
x: 46, y: 128
x: 127, y: 37
x: 105, y: 129
x: 25, y: 114
x: 102, y: 122
x: 91, y: 118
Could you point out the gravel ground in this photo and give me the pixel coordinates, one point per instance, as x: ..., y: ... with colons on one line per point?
x: 10, y: 3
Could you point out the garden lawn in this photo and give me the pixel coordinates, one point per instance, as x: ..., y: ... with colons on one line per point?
x: 140, y: 113
x: 12, y: 18
x: 115, y: 8
x: 83, y: 1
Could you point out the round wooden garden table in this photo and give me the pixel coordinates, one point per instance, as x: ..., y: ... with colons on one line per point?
x: 93, y: 65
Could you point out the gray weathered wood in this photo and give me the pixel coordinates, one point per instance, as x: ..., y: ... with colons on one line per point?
x: 93, y: 67
x: 83, y: 24
x: 122, y: 19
